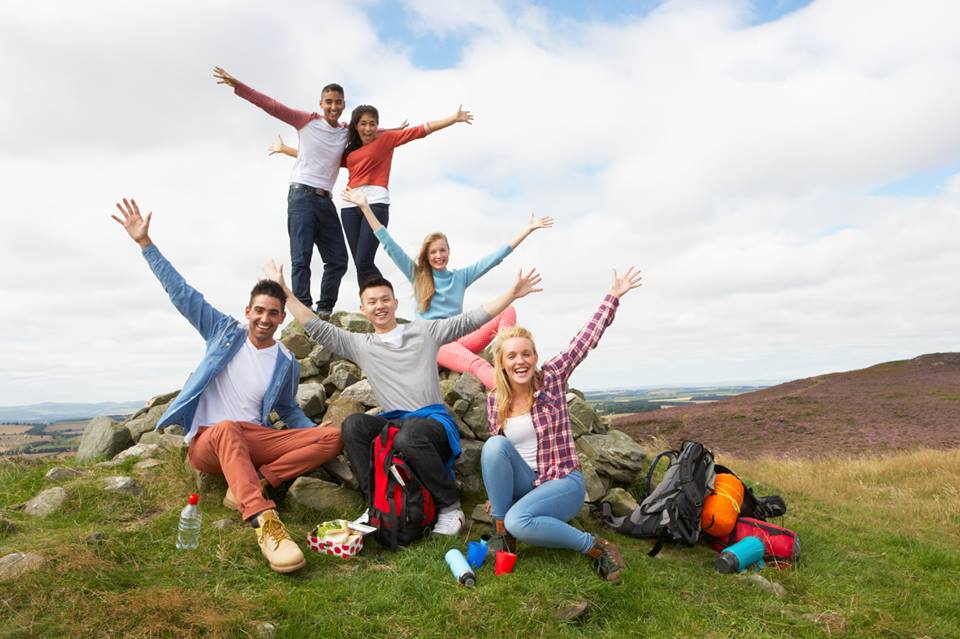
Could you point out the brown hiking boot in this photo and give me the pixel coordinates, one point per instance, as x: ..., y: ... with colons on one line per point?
x: 606, y: 559
x: 281, y: 552
x: 230, y: 502
x: 500, y: 540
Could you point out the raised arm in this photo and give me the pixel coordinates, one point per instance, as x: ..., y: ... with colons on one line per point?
x: 589, y: 336
x: 534, y: 224
x: 279, y: 147
x: 458, y: 116
x: 294, y: 117
x: 190, y: 302
x: 524, y: 285
x: 297, y: 308
x: 356, y: 196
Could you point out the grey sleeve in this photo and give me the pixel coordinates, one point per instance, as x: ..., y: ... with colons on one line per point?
x: 452, y: 328
x: 341, y: 342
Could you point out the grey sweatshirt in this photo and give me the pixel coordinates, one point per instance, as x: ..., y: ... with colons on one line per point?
x: 404, y: 377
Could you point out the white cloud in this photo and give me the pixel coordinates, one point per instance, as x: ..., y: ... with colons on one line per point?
x: 732, y: 163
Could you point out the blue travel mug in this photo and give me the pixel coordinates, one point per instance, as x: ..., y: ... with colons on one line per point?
x: 460, y: 568
x: 742, y: 555
x: 476, y: 553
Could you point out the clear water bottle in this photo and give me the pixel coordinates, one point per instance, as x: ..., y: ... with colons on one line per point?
x: 188, y: 532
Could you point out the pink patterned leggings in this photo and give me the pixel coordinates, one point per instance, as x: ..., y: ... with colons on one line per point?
x: 461, y: 355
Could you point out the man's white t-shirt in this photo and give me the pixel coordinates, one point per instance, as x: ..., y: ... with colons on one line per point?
x: 392, y: 338
x: 522, y: 434
x: 321, y: 150
x: 236, y: 393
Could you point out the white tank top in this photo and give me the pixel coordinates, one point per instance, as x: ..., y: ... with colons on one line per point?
x: 520, y: 432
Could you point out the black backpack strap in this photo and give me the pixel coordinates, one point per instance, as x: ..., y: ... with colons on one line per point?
x: 648, y: 485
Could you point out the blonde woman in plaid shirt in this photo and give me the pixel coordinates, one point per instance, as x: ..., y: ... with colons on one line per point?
x: 530, y: 466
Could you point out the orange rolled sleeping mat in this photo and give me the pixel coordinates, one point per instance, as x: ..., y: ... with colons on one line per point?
x: 722, y: 507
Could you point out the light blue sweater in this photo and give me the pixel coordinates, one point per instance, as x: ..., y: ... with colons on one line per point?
x: 451, y: 285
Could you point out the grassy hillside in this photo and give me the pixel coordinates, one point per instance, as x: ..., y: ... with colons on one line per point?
x: 887, y: 407
x: 881, y: 552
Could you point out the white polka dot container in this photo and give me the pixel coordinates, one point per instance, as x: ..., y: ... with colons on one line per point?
x: 336, y: 539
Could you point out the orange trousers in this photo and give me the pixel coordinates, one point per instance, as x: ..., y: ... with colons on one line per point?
x: 240, y: 450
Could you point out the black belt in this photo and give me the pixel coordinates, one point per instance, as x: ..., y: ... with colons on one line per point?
x: 305, y: 187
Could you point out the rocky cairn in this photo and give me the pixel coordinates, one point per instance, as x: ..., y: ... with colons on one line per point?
x: 332, y: 388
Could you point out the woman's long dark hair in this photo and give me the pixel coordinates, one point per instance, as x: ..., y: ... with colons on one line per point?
x: 353, y: 141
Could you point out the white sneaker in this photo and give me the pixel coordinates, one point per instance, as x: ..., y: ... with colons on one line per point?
x: 450, y: 523
x: 362, y: 519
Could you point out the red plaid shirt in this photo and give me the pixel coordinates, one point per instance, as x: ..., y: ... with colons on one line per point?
x: 556, y: 453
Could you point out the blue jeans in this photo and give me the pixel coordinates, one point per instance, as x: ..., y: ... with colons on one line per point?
x: 361, y: 240
x: 312, y: 221
x: 538, y: 515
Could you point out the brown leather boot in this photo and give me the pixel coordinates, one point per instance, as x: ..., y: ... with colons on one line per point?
x: 283, y: 554
x: 501, y: 539
x: 606, y: 559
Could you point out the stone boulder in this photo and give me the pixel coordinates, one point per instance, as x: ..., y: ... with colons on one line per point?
x: 298, y: 344
x: 353, y: 322
x: 361, y: 392
x: 312, y: 399
x: 143, y: 451
x: 339, y: 469
x: 123, y: 485
x: 341, y: 408
x: 146, y: 465
x: 621, y: 502
x: 469, y: 387
x: 46, y: 502
x: 480, y: 514
x: 61, y: 473
x: 342, y: 374
x: 145, y: 423
x: 16, y: 564
x: 467, y: 466
x: 476, y: 419
x: 596, y: 485
x: 317, y: 494
x: 103, y: 437
x: 583, y: 419
x: 308, y: 368
x: 614, y: 455
x: 321, y: 356
x: 7, y: 527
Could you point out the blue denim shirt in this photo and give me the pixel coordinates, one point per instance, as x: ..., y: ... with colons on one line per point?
x: 224, y: 336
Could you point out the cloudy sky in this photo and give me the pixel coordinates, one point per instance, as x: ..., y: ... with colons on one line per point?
x: 785, y: 173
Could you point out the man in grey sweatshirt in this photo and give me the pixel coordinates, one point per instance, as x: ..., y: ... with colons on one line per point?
x: 400, y: 361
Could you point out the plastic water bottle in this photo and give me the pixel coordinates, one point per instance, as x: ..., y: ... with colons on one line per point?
x: 188, y: 532
x: 460, y: 568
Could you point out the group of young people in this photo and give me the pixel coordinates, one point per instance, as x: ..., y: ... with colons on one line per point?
x: 529, y: 464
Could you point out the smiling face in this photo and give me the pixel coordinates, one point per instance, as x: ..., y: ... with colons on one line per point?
x: 367, y: 128
x: 518, y: 358
x: 378, y: 304
x: 332, y: 104
x: 438, y: 254
x: 265, y: 315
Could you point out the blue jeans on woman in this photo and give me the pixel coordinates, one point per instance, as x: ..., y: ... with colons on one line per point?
x: 361, y: 240
x: 537, y: 516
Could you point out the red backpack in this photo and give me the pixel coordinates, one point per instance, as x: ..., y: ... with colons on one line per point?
x: 401, y: 508
x: 781, y: 546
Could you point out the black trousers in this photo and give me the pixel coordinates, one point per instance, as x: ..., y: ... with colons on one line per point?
x: 423, y: 443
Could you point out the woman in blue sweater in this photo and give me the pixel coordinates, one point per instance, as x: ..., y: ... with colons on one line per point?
x: 439, y: 291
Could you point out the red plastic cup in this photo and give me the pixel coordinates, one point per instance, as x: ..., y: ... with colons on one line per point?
x: 503, y: 564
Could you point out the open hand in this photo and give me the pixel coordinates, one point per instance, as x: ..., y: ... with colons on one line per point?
x: 224, y: 78
x: 526, y: 284
x: 133, y: 223
x: 276, y: 147
x: 463, y: 116
x: 543, y: 223
x: 355, y: 196
x: 626, y: 282
x: 275, y: 273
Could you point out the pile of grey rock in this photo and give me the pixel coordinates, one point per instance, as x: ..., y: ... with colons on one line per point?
x: 332, y: 388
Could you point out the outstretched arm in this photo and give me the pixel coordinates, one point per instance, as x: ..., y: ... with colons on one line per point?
x: 589, y: 336
x: 355, y: 196
x: 297, y: 308
x: 294, y: 117
x: 458, y: 116
x: 190, y: 302
x: 279, y: 147
x: 524, y: 285
x: 543, y: 223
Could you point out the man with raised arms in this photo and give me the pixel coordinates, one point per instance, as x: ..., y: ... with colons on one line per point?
x: 400, y: 361
x: 225, y: 405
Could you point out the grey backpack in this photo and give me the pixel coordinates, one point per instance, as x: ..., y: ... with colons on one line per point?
x: 671, y: 512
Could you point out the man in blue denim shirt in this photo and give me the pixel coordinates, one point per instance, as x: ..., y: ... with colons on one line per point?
x: 225, y: 405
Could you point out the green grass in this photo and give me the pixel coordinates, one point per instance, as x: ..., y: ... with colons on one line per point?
x: 856, y: 579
